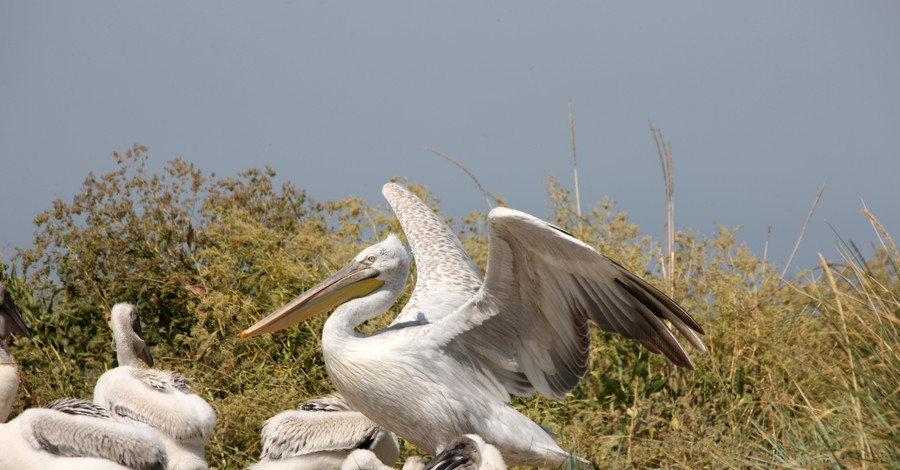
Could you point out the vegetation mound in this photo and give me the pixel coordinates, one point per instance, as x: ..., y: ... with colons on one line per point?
x: 801, y: 373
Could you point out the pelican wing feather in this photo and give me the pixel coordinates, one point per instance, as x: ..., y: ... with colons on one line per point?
x: 530, y: 319
x: 77, y: 434
x: 333, y: 402
x: 159, y: 399
x: 446, y: 277
x: 294, y: 433
x: 76, y: 406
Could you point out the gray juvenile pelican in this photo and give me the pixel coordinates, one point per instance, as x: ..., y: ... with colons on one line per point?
x: 362, y: 459
x: 11, y: 321
x: 460, y: 346
x: 9, y: 380
x: 66, y: 434
x: 159, y: 399
x: 468, y: 452
x: 73, y: 434
x: 320, y: 435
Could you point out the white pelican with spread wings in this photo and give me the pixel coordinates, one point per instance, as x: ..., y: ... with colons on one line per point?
x: 450, y: 360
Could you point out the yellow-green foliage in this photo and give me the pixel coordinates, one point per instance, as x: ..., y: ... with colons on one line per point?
x: 800, y: 373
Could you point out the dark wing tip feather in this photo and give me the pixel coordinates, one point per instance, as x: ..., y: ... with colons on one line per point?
x: 662, y: 339
x: 664, y: 299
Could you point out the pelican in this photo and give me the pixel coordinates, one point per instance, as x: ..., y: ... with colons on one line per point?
x: 159, y: 399
x: 9, y: 381
x: 71, y: 434
x: 320, y: 435
x: 11, y: 321
x: 68, y: 433
x: 449, y: 361
x: 468, y: 452
x: 364, y: 459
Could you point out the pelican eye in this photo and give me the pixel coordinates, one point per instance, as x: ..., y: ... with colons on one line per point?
x: 370, y: 259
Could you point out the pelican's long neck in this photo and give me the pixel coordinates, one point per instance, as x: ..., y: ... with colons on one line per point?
x: 6, y: 356
x: 339, y: 333
x: 341, y: 325
x: 127, y: 345
x: 9, y: 381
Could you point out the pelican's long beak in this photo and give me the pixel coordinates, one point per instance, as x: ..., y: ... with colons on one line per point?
x: 16, y: 322
x: 354, y: 280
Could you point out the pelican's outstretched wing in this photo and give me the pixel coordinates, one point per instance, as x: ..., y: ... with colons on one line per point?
x: 446, y: 277
x: 529, y: 321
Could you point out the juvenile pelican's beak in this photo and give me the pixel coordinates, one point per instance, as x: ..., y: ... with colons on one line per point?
x: 8, y: 309
x: 354, y: 280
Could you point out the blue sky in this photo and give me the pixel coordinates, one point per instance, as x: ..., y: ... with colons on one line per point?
x: 763, y: 102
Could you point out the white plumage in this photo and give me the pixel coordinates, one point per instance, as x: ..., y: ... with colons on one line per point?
x: 320, y: 435
x: 158, y: 399
x: 76, y: 434
x: 9, y: 382
x: 362, y: 459
x: 447, y: 364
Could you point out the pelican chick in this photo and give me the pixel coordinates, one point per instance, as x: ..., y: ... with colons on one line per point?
x: 9, y: 380
x: 449, y: 361
x: 364, y: 459
x: 67, y: 434
x: 320, y: 435
x: 468, y: 452
x: 11, y: 321
x: 159, y: 399
x: 72, y: 434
